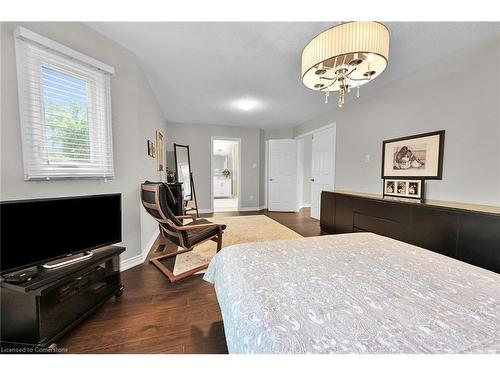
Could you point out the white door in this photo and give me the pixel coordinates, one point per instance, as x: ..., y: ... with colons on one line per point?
x: 323, y: 167
x: 282, y: 186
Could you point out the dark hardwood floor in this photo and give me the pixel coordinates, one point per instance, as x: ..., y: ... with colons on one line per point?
x: 154, y: 316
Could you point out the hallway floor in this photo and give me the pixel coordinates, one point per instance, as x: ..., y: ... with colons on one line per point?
x: 225, y: 204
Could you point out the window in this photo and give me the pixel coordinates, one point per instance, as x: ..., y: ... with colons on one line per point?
x: 65, y: 109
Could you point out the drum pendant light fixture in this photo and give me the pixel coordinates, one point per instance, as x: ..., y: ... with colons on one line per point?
x: 345, y: 57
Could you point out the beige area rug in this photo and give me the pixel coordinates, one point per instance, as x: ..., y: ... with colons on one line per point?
x: 240, y: 229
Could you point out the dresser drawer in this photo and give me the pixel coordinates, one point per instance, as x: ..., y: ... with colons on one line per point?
x: 378, y: 225
x: 388, y: 210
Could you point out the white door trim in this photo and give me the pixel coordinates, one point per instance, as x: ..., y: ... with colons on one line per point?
x: 300, y: 173
x: 266, y: 174
x: 215, y: 138
x: 333, y: 126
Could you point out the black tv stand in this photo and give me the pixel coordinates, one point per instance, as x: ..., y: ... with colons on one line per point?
x: 39, y: 311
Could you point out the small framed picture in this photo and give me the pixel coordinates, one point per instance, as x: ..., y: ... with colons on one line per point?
x: 401, y: 187
x: 390, y: 187
x: 151, y: 149
x: 413, y: 189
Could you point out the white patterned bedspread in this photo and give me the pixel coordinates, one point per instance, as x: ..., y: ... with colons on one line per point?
x: 353, y: 293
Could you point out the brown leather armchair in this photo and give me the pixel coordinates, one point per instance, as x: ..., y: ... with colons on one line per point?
x: 157, y: 199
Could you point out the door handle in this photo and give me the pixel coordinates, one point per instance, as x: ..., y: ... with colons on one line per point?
x: 271, y: 179
x: 312, y: 179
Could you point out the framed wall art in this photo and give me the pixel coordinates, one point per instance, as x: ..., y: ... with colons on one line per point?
x: 404, y: 188
x: 415, y: 157
x: 151, y: 149
x: 160, y: 160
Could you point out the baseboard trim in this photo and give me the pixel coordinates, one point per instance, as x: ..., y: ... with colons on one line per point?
x: 125, y: 264
x: 305, y: 206
x: 149, y: 245
x: 242, y: 209
x: 258, y: 208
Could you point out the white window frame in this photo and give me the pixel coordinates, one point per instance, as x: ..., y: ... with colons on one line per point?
x: 73, y: 63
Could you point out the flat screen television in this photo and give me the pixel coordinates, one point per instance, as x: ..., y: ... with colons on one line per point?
x: 34, y: 232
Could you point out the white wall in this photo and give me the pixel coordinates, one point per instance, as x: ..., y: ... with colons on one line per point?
x: 280, y: 133
x: 135, y: 113
x: 460, y: 93
x: 199, y: 138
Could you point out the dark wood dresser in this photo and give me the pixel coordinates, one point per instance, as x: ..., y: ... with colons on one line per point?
x: 470, y: 233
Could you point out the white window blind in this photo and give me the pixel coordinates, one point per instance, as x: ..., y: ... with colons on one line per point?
x: 65, y: 109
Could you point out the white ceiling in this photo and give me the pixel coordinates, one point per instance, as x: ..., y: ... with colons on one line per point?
x: 198, y: 69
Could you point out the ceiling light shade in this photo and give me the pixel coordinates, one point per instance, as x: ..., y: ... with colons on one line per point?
x: 345, y: 56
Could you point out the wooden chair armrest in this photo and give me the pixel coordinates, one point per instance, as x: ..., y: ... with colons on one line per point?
x: 185, y: 217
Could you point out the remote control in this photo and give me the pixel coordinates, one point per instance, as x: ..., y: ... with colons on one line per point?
x: 20, y: 277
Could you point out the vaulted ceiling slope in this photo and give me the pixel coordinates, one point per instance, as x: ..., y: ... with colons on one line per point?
x: 199, y: 71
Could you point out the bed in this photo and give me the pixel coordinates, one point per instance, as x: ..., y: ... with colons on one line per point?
x: 353, y: 293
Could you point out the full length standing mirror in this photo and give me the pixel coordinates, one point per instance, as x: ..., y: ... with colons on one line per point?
x: 183, y: 169
x: 184, y: 175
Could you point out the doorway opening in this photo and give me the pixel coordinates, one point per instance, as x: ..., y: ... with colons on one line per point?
x: 225, y: 174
